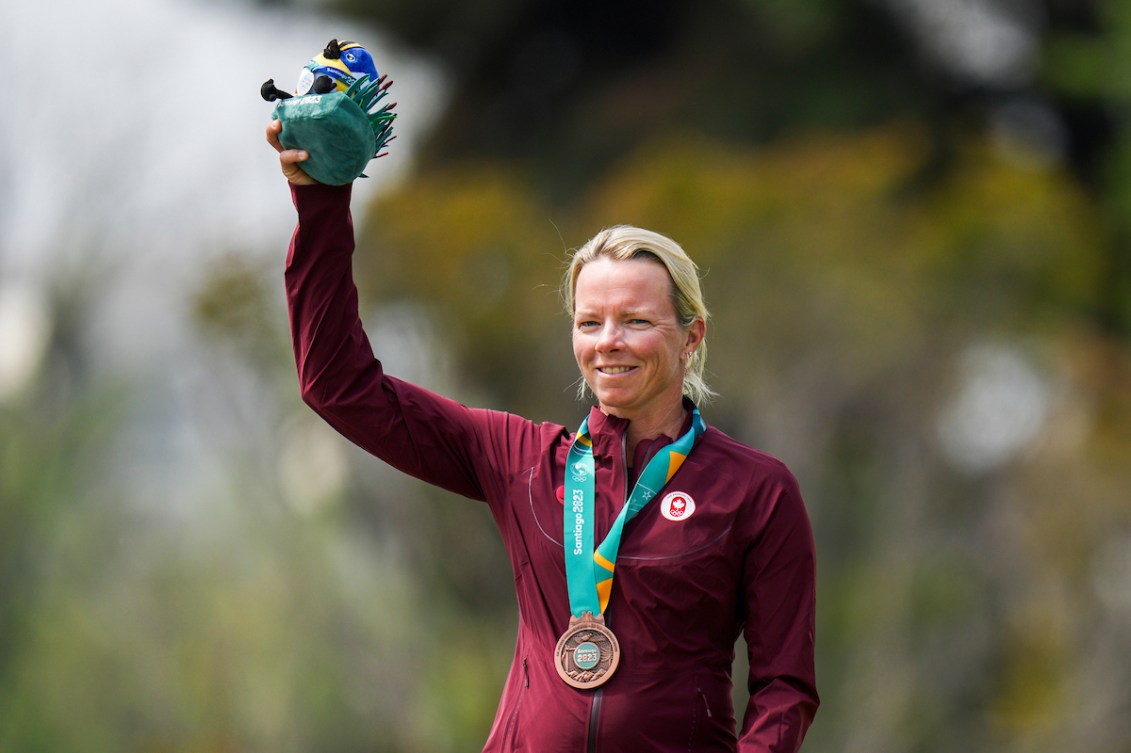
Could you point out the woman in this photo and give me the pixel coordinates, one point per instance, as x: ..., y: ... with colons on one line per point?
x: 713, y: 539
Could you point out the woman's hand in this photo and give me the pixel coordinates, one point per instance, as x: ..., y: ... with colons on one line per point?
x: 288, y: 158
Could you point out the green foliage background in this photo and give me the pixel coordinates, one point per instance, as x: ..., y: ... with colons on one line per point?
x: 887, y: 256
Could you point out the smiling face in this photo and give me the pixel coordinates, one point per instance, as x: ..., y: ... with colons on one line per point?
x: 627, y: 340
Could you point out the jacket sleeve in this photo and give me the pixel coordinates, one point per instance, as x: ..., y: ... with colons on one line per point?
x: 421, y: 433
x: 780, y: 585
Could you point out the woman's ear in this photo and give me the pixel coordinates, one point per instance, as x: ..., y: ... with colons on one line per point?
x: 696, y: 333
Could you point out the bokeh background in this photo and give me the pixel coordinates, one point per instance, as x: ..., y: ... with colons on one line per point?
x: 914, y: 220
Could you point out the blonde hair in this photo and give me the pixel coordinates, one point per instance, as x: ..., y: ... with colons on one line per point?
x: 624, y: 243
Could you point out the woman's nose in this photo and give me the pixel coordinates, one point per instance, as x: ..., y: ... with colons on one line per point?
x: 609, y: 338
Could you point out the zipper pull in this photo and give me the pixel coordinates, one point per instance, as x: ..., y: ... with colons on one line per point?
x: 706, y: 705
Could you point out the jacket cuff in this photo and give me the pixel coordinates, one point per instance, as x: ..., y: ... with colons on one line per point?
x: 320, y: 193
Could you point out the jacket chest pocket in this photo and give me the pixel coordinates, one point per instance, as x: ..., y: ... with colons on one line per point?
x: 675, y: 526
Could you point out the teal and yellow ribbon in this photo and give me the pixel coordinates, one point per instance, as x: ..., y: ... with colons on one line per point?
x: 589, y: 569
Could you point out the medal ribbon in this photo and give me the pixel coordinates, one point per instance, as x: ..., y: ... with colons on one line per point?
x: 589, y: 570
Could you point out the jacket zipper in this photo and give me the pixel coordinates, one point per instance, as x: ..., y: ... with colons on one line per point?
x: 599, y: 693
x: 694, y: 736
x: 594, y: 713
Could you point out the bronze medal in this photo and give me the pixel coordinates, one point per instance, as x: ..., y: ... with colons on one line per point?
x: 588, y: 653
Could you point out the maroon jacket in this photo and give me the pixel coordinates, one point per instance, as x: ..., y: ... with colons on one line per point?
x: 734, y: 553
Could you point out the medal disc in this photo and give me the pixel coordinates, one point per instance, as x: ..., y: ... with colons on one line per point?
x: 588, y: 653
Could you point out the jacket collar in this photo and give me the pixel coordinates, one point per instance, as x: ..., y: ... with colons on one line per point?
x: 602, y: 423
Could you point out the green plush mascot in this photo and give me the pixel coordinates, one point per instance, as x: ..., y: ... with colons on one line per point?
x: 334, y: 115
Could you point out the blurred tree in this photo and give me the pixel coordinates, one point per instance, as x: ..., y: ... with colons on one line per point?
x: 567, y: 88
x: 1088, y: 44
